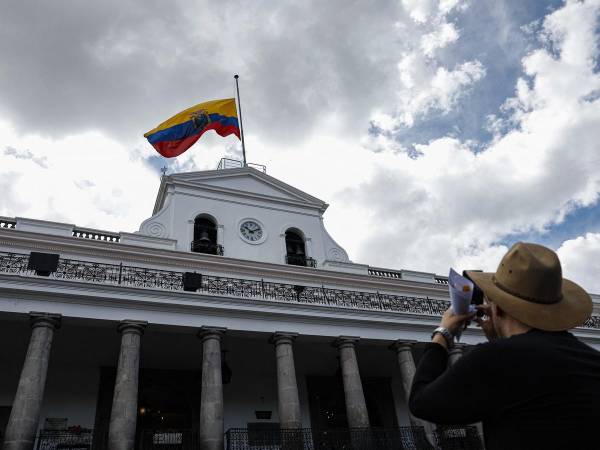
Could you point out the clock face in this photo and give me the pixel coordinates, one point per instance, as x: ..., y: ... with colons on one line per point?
x: 251, y: 231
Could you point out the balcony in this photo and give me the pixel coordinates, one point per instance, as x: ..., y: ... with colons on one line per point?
x: 300, y: 260
x: 202, y: 246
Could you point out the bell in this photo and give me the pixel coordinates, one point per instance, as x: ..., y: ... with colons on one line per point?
x: 204, y: 239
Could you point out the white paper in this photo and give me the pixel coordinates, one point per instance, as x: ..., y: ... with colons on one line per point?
x: 461, y: 293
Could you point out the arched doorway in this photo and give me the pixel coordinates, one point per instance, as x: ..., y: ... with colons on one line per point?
x: 205, y: 236
x: 295, y: 249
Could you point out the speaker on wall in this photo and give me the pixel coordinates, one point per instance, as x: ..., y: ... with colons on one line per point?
x: 43, y: 263
x: 192, y: 281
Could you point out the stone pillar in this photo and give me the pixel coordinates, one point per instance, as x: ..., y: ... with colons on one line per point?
x: 356, y: 407
x: 220, y: 234
x: 455, y: 354
x: 211, y: 400
x: 407, y: 373
x: 287, y: 387
x: 123, y: 416
x: 25, y: 414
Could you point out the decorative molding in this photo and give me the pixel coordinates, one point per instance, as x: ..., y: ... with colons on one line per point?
x: 184, y: 309
x: 336, y: 254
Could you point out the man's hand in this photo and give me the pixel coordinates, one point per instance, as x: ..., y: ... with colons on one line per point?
x: 485, y: 322
x: 454, y: 322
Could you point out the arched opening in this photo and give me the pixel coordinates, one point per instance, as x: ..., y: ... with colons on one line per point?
x: 205, y: 237
x: 295, y: 250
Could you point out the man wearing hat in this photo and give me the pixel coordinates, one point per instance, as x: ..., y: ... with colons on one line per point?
x: 533, y: 385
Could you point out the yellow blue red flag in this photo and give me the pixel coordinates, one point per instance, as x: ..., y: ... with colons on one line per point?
x: 175, y: 135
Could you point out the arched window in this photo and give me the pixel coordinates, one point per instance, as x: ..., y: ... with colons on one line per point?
x: 205, y: 237
x: 295, y: 250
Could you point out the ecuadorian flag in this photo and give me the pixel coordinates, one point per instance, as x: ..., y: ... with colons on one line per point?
x: 175, y: 135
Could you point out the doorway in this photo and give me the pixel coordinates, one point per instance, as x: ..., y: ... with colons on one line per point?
x: 168, y: 409
x: 328, y: 407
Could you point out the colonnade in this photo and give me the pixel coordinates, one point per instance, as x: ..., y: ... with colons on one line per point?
x: 24, y: 418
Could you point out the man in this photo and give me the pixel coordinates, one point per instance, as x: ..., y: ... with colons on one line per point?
x: 533, y: 385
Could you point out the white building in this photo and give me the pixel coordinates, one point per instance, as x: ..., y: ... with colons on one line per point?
x: 280, y: 329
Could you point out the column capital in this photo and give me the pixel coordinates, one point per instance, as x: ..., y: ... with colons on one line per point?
x: 132, y: 326
x: 403, y: 345
x: 346, y: 341
x: 283, y: 337
x: 42, y: 319
x: 211, y: 333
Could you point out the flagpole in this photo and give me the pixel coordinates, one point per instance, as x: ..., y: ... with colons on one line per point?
x: 237, y: 88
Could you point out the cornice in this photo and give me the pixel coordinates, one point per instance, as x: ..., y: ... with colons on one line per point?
x: 196, y: 180
x: 159, y: 300
x: 100, y: 295
x: 165, y: 259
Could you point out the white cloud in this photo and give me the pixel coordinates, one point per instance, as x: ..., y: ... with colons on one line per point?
x: 425, y: 84
x: 453, y: 206
x: 440, y: 38
x: 580, y: 258
x: 61, y: 189
x: 308, y: 94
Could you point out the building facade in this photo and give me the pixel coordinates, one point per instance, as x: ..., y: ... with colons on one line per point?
x: 229, y: 315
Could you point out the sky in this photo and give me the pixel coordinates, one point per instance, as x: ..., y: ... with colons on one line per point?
x: 440, y: 132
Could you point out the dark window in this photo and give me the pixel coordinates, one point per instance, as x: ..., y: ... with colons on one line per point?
x: 295, y: 249
x: 205, y: 237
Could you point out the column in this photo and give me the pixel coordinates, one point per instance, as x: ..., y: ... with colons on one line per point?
x: 287, y: 387
x: 356, y: 407
x: 407, y: 373
x: 455, y: 354
x: 123, y: 416
x: 211, y: 399
x: 25, y: 414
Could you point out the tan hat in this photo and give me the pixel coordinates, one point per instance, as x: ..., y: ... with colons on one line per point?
x: 529, y: 286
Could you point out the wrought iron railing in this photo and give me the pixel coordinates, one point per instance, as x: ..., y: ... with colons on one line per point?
x: 200, y: 246
x: 402, y: 438
x: 95, y: 235
x: 58, y: 440
x: 228, y: 163
x: 300, y: 260
x: 142, y: 277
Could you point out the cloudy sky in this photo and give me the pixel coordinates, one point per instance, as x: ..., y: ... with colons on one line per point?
x: 440, y: 131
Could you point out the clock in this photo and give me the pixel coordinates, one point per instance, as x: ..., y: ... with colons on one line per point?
x: 251, y: 231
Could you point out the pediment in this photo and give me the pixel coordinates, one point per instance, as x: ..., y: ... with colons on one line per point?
x: 244, y: 182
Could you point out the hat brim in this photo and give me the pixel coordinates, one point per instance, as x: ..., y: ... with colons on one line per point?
x: 573, y: 310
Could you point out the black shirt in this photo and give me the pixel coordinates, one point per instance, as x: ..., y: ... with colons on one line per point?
x: 537, y: 390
